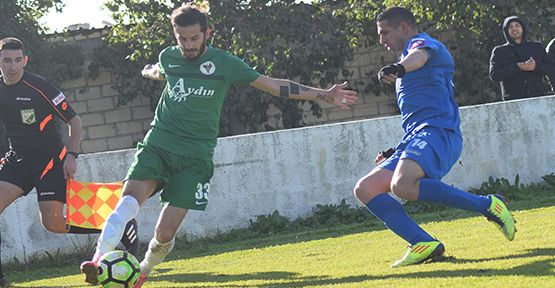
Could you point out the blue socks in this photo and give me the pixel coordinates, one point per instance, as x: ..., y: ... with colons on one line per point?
x: 395, y: 218
x: 432, y: 190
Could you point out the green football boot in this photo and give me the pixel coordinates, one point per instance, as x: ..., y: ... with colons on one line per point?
x: 499, y: 214
x: 421, y: 252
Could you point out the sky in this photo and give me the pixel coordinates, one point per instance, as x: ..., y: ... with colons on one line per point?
x: 72, y: 13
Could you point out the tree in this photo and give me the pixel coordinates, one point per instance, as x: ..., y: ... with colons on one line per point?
x: 57, y: 61
x: 471, y: 29
x: 282, y: 39
x: 311, y: 44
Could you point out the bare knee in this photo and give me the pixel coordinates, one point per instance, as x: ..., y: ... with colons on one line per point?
x: 52, y: 216
x: 54, y: 225
x: 362, y: 195
x: 371, y: 186
x: 405, y: 188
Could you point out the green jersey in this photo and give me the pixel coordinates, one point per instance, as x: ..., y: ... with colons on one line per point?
x: 187, y: 118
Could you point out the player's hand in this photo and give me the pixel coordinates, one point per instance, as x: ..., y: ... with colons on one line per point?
x: 379, y: 158
x: 70, y: 166
x: 152, y: 71
x: 382, y: 155
x: 388, y: 74
x: 340, y: 96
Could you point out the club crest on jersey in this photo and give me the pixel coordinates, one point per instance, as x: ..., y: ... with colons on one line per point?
x: 418, y: 42
x: 28, y: 116
x: 207, y: 68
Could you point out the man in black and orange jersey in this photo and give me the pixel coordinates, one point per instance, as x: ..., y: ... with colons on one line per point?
x: 37, y: 157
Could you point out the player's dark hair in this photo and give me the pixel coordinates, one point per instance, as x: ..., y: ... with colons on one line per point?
x: 395, y: 15
x: 190, y: 14
x: 11, y: 43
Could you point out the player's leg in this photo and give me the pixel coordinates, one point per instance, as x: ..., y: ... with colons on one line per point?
x: 373, y: 184
x: 371, y: 191
x: 187, y: 189
x: 429, y: 155
x: 51, y: 193
x: 145, y: 175
x: 135, y: 193
x: 423, y: 247
x: 164, y: 237
x: 4, y: 283
x: 163, y: 241
x: 13, y: 184
x: 434, y: 151
x: 8, y: 194
x: 52, y: 216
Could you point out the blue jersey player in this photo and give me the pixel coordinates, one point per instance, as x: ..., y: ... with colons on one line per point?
x: 432, y: 143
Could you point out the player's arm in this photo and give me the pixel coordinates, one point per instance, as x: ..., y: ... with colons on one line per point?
x: 75, y: 131
x: 152, y: 71
x: 337, y: 94
x: 415, y: 59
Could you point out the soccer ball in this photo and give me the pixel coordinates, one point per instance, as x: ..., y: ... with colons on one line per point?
x: 118, y: 269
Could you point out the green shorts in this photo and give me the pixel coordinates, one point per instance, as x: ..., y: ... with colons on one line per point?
x: 185, y: 180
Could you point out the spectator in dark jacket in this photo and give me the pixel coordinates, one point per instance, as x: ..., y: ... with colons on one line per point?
x: 550, y: 50
x: 519, y: 65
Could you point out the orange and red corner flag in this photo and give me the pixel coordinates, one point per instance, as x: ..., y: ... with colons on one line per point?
x: 89, y: 204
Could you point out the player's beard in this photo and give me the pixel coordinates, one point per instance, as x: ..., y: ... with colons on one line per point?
x: 201, y: 51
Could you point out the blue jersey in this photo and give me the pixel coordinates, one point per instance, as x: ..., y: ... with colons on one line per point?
x: 426, y: 96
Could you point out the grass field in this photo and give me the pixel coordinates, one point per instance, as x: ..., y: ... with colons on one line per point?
x: 358, y: 256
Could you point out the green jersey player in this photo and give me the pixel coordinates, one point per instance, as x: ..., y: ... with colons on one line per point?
x: 177, y: 151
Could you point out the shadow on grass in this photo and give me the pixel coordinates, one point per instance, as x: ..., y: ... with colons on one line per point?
x: 538, y: 252
x: 215, y: 247
x: 286, y: 279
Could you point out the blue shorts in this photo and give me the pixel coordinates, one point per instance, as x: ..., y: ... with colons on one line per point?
x: 435, y: 150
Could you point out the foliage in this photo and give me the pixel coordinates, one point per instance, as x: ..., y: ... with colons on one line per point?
x: 343, y: 213
x: 549, y: 179
x: 324, y: 221
x: 269, y: 224
x: 57, y: 61
x: 517, y: 190
x: 308, y: 43
x: 331, y: 214
x: 471, y: 29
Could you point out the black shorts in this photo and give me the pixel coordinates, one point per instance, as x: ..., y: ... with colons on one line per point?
x: 41, y: 169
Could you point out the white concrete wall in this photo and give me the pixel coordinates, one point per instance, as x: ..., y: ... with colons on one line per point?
x: 293, y: 170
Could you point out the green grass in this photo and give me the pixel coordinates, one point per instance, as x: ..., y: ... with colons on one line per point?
x: 356, y: 255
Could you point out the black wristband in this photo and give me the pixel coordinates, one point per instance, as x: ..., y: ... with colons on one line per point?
x: 387, y: 153
x: 401, y: 71
x: 394, y: 69
x: 74, y: 154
